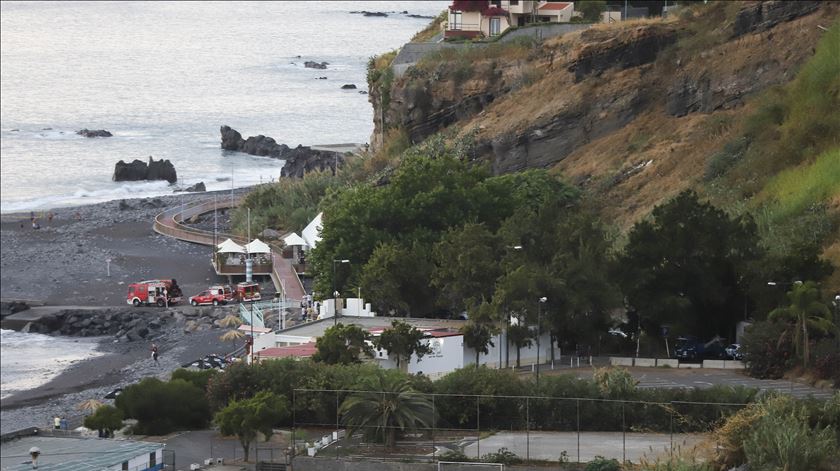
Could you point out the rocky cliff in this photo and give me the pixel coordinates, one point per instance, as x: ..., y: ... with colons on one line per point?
x: 618, y: 108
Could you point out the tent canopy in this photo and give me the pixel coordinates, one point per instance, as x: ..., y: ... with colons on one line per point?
x: 229, y: 246
x: 312, y: 232
x: 258, y: 246
x: 294, y: 239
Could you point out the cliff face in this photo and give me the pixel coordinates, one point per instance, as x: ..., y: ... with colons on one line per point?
x: 623, y: 109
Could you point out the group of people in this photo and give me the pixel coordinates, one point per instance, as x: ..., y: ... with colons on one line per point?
x: 309, y: 308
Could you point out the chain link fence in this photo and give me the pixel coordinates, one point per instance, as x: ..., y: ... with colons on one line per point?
x: 453, y: 427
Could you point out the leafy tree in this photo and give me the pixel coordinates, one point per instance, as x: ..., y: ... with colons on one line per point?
x: 685, y: 266
x: 199, y: 378
x: 805, y: 312
x: 591, y: 9
x: 466, y: 265
x: 520, y: 336
x: 343, y: 344
x: 390, y: 406
x: 768, y: 350
x: 163, y: 407
x: 402, y: 340
x: 105, y: 419
x: 245, y: 418
x: 479, y: 337
x: 396, y: 278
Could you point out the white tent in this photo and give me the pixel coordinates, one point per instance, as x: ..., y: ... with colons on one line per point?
x: 294, y: 239
x: 229, y: 246
x: 312, y: 232
x: 258, y: 246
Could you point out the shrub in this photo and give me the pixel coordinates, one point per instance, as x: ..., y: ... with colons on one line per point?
x: 199, y: 379
x: 161, y: 408
x: 782, y: 439
x: 732, y: 152
x: 602, y: 464
x: 768, y: 350
x: 503, y: 455
x: 827, y: 360
x: 615, y: 382
x: 454, y: 455
x: 106, y: 418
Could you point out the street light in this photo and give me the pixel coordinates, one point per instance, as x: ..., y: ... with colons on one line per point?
x: 539, y: 333
x: 335, y: 293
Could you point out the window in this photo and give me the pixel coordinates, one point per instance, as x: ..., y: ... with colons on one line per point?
x: 152, y: 459
x: 514, y: 3
x: 456, y: 20
x: 495, y: 26
x: 496, y: 3
x: 125, y: 465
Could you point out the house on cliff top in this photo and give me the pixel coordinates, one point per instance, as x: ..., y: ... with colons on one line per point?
x: 475, y: 18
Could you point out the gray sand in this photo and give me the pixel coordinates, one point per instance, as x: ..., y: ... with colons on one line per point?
x: 63, y: 263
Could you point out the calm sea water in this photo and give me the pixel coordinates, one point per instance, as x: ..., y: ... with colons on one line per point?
x: 163, y: 77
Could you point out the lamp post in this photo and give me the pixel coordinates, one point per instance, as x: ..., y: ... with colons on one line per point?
x: 335, y: 293
x: 507, y: 326
x: 539, y: 333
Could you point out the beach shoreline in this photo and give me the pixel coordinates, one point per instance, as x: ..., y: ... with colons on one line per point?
x: 86, y: 256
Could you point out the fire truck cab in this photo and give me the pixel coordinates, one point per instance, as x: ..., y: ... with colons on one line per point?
x: 248, y: 291
x: 157, y: 292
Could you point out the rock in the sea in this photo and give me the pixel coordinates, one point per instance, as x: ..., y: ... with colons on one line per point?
x: 370, y: 13
x: 194, y: 188
x: 315, y: 65
x: 299, y: 160
x: 139, y: 170
x: 94, y: 133
x: 348, y: 86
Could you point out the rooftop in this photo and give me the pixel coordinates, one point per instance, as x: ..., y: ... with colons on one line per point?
x: 71, y: 453
x: 555, y: 6
x: 302, y: 351
x: 371, y: 324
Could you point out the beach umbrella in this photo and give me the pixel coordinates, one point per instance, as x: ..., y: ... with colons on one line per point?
x: 90, y: 404
x: 232, y: 336
x: 230, y: 321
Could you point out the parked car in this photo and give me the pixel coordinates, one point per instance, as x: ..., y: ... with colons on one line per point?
x: 214, y: 295
x: 692, y: 348
x: 733, y: 352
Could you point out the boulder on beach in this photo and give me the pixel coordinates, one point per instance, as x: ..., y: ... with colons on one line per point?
x: 348, y: 86
x: 315, y: 65
x: 94, y: 133
x: 299, y: 160
x: 194, y: 188
x: 138, y: 170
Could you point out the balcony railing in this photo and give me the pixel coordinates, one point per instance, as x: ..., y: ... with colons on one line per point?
x: 463, y: 27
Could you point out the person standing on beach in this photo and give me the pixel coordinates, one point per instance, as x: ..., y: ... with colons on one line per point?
x: 155, y: 354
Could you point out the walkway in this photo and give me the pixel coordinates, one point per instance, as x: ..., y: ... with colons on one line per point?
x: 169, y: 223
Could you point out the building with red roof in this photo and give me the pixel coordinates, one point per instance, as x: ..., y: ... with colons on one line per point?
x: 483, y: 18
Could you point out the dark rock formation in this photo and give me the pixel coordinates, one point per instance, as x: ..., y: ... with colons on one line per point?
x: 761, y: 16
x: 9, y: 308
x: 94, y: 133
x: 641, y: 46
x: 348, y: 86
x: 321, y: 78
x: 315, y: 65
x: 194, y: 188
x: 299, y: 160
x: 424, y: 17
x: 370, y: 13
x: 139, y: 170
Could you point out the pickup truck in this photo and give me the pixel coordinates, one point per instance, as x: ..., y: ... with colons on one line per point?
x: 692, y: 348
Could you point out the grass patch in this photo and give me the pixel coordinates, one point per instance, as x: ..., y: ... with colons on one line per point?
x: 431, y: 30
x: 795, y: 190
x: 465, y: 57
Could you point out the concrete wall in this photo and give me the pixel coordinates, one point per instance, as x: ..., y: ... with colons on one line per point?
x: 621, y: 361
x: 667, y: 362
x: 447, y: 356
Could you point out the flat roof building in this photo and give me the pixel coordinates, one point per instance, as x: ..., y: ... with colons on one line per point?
x: 80, y: 454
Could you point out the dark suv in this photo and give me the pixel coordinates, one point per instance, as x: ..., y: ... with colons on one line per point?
x: 692, y: 348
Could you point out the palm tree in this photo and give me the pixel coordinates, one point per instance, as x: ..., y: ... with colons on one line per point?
x: 806, y: 311
x: 391, y: 404
x: 479, y: 337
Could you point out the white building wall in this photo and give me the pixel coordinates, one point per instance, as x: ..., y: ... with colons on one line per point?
x: 447, y: 356
x: 140, y: 462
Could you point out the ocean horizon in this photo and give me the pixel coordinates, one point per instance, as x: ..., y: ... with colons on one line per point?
x: 164, y: 76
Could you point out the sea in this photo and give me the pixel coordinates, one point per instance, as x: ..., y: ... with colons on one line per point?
x: 163, y: 77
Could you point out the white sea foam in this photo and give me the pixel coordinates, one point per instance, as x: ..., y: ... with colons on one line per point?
x: 30, y: 360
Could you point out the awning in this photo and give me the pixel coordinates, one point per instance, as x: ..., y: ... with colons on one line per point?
x: 229, y: 246
x: 258, y: 246
x: 294, y: 239
x: 312, y: 232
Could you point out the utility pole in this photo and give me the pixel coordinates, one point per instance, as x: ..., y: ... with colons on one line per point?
x: 539, y: 333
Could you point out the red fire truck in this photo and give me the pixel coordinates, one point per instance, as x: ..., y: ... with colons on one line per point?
x: 248, y: 291
x: 158, y: 292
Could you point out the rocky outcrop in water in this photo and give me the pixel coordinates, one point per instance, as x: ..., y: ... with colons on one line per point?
x: 198, y: 187
x: 299, y: 160
x: 139, y: 170
x: 94, y: 133
x: 316, y: 65
x: 348, y: 86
